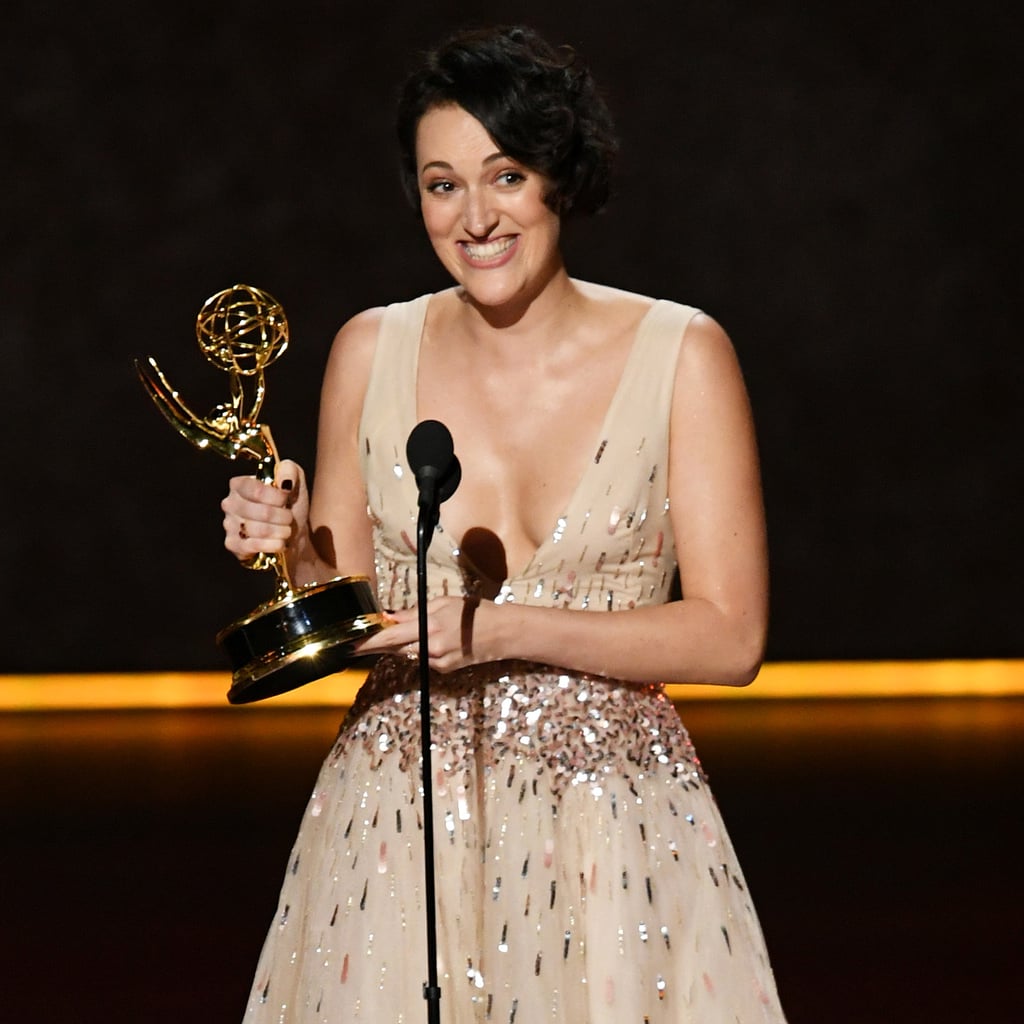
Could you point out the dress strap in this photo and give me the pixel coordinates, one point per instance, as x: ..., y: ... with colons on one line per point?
x: 390, y: 400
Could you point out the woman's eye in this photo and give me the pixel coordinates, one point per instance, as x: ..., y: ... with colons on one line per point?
x: 511, y: 177
x: 441, y: 186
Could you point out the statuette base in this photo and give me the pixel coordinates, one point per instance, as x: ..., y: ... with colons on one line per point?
x: 307, y: 635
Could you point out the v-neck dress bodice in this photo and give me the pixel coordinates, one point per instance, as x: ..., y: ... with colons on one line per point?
x: 612, y: 546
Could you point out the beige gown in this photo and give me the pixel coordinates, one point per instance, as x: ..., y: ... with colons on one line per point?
x: 584, y: 875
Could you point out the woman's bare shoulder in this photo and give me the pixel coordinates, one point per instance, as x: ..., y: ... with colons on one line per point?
x: 705, y: 340
x: 358, y: 334
x: 351, y: 358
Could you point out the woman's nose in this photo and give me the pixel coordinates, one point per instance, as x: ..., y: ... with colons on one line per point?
x: 479, y: 218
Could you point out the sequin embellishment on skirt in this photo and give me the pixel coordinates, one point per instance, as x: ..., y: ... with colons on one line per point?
x: 584, y: 874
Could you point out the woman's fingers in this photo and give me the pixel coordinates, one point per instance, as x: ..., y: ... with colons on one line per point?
x: 290, y: 481
x: 449, y: 633
x: 256, y: 517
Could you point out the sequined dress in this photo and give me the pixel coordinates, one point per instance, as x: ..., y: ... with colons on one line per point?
x: 584, y: 875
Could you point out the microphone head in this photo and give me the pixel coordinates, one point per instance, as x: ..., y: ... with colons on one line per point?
x: 430, y: 447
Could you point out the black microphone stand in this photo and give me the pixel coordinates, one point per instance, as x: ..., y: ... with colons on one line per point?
x: 437, y: 470
x: 425, y: 524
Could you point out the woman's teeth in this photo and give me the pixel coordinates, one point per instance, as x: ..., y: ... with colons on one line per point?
x: 488, y: 250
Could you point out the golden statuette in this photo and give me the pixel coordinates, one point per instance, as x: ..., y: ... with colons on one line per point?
x: 303, y: 633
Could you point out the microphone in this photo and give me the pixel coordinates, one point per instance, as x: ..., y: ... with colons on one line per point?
x: 431, y: 455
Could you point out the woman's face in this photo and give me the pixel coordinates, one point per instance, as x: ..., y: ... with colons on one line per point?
x: 484, y: 212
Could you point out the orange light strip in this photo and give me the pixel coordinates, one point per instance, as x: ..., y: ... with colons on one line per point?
x: 778, y: 680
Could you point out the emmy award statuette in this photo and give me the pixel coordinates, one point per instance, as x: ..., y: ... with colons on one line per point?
x: 302, y: 633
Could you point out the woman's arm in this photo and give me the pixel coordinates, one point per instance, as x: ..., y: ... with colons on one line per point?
x: 716, y: 633
x: 339, y: 537
x: 326, y: 533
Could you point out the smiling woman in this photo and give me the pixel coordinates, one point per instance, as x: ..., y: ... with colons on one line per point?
x: 607, y: 447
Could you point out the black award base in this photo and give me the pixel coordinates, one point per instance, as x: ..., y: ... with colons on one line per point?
x: 304, y: 636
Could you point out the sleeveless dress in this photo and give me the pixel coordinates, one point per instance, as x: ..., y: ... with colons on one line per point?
x: 583, y: 872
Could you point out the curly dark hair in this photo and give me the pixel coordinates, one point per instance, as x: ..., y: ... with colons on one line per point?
x: 539, y: 104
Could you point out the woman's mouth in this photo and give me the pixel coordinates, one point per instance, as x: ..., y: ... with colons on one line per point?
x: 488, y: 252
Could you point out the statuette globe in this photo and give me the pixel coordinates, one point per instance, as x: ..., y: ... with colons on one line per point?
x: 242, y: 329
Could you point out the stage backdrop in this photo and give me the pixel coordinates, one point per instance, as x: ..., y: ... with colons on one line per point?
x: 829, y: 181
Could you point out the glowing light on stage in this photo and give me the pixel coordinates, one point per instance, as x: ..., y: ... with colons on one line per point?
x: 814, y: 680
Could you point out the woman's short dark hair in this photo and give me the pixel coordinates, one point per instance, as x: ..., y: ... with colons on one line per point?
x: 538, y: 103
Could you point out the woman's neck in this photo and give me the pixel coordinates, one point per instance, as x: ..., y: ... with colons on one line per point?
x: 543, y: 314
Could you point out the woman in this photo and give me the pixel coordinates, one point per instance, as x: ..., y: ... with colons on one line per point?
x: 605, y: 438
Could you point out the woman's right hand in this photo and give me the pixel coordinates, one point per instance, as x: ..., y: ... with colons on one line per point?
x: 261, y: 517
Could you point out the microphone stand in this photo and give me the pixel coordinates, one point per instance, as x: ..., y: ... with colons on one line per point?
x: 432, y: 459
x: 426, y: 521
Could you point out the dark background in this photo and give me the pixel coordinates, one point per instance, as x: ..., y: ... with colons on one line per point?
x: 830, y: 181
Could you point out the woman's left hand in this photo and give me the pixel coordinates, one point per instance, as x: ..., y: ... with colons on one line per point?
x: 454, y: 633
